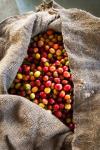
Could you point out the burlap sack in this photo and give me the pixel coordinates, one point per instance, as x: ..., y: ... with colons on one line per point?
x: 26, y: 126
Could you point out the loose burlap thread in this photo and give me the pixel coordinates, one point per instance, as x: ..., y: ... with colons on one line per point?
x: 26, y: 126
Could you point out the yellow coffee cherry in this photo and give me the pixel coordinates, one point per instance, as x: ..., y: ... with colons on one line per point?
x: 50, y: 55
x: 37, y: 56
x: 32, y: 96
x: 37, y: 74
x: 41, y: 105
x: 19, y: 76
x: 17, y: 86
x: 46, y: 64
x: 68, y: 106
x: 47, y: 90
x: 35, y: 89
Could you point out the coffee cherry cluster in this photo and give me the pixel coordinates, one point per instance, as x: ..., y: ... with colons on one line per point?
x: 45, y: 77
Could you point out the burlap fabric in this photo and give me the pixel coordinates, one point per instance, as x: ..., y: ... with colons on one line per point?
x: 26, y: 126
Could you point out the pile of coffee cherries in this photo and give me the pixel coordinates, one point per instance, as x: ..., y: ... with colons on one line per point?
x: 45, y: 77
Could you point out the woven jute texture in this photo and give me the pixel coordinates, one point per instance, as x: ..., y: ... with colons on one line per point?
x: 26, y: 126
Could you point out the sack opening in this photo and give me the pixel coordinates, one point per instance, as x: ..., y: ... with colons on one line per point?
x: 45, y: 76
